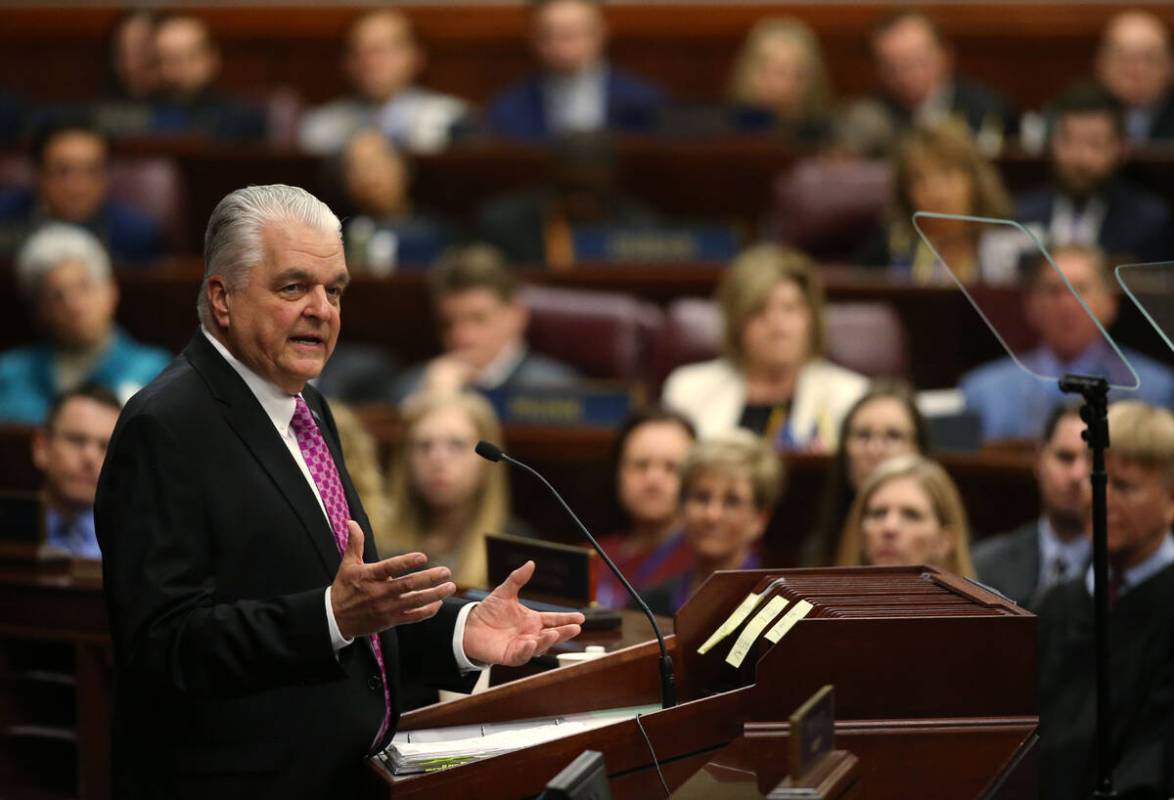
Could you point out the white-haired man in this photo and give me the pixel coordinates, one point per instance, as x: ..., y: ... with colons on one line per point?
x: 64, y: 274
x: 259, y: 642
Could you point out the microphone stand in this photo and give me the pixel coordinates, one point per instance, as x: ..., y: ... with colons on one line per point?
x: 1095, y: 413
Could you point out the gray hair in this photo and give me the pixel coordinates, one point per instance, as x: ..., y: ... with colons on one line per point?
x: 232, y: 243
x: 53, y: 245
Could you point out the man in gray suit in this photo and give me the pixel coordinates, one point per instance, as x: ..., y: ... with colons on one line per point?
x: 1025, y: 563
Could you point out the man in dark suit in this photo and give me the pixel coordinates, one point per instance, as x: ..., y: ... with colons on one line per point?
x: 577, y: 89
x: 1140, y: 467
x: 1025, y: 563
x: 259, y: 644
x: 1135, y: 64
x: 1089, y: 203
x: 915, y: 69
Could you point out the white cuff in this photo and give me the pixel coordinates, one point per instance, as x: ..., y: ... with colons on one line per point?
x: 337, y: 640
x: 458, y: 642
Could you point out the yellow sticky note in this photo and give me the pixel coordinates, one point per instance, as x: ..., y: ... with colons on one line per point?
x: 753, y: 629
x: 780, y: 629
x: 732, y: 622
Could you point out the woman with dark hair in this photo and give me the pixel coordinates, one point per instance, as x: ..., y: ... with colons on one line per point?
x: 885, y: 422
x: 651, y: 446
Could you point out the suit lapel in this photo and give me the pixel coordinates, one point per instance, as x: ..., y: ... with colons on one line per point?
x: 244, y: 415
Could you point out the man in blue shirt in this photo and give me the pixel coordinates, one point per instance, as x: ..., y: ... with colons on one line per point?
x: 1013, y: 404
x: 69, y: 451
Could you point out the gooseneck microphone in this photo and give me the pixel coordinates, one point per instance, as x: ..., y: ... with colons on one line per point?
x: 668, y: 688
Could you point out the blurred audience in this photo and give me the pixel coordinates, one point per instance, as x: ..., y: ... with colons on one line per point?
x: 883, y: 423
x: 383, y: 61
x: 730, y: 483
x: 68, y: 451
x: 772, y: 379
x: 1135, y: 64
x: 907, y: 512
x: 1027, y: 562
x: 482, y: 320
x: 780, y: 81
x: 1140, y: 466
x: 1087, y: 201
x: 577, y: 89
x: 188, y: 101
x: 134, y: 65
x: 537, y: 226
x: 938, y: 168
x: 444, y: 497
x: 915, y: 70
x: 650, y: 449
x: 72, y: 185
x: 63, y: 274
x: 1013, y: 404
x: 362, y: 463
x: 387, y: 231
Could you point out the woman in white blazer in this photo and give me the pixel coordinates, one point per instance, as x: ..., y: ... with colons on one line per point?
x: 772, y: 378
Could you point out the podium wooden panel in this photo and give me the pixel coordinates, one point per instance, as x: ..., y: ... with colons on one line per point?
x: 900, y: 645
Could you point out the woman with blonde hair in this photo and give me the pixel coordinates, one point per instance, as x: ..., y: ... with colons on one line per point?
x: 773, y: 379
x: 780, y: 73
x: 908, y: 512
x: 444, y: 497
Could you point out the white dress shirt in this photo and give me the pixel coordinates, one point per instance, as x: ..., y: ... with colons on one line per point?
x: 279, y: 406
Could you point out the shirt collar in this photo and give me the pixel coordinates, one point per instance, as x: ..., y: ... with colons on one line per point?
x: 278, y: 403
x: 1140, y: 573
x: 499, y: 370
x: 1074, y: 553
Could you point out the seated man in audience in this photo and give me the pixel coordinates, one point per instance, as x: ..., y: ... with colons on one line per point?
x: 1140, y: 466
x: 1013, y: 404
x: 188, y: 101
x: 71, y: 160
x: 383, y: 60
x: 1088, y: 203
x: 577, y: 89
x: 482, y: 328
x: 64, y: 276
x: 1135, y: 64
x: 1027, y: 562
x: 915, y: 68
x: 68, y: 450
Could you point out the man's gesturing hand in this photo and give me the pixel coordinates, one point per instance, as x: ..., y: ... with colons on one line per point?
x: 500, y: 630
x: 368, y: 598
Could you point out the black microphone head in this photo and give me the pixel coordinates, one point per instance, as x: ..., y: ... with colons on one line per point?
x: 488, y: 451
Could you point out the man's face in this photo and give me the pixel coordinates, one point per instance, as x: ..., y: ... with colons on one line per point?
x: 1134, y: 61
x: 1053, y: 311
x: 1086, y: 150
x: 1062, y: 472
x: 284, y: 321
x: 76, y: 308
x: 134, y: 56
x: 1141, y: 510
x: 188, y: 63
x: 73, y: 176
x: 71, y: 451
x: 382, y: 57
x: 476, y: 325
x: 568, y: 35
x: 911, y: 63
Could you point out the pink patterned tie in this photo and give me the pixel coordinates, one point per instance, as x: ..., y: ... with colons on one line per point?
x: 325, y: 474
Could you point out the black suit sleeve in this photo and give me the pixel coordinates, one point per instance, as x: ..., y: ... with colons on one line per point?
x: 160, y: 574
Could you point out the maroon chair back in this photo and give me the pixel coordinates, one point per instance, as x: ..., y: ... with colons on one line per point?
x: 826, y: 207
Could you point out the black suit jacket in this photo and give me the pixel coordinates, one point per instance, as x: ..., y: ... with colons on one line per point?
x: 1010, y: 563
x: 216, y: 558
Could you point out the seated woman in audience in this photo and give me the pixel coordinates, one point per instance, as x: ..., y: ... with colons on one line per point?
x: 780, y: 81
x: 938, y: 168
x: 908, y: 512
x: 651, y: 446
x: 885, y: 422
x: 444, y: 497
x: 362, y: 461
x: 729, y: 486
x: 772, y: 379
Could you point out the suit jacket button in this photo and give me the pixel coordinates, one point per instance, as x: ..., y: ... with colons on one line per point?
x: 375, y: 683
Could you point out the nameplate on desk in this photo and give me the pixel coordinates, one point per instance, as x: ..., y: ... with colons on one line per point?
x: 784, y: 625
x: 813, y: 732
x: 565, y: 574
x: 654, y: 244
x: 590, y: 406
x: 754, y: 629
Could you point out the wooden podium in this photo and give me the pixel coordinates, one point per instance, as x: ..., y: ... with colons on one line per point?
x: 935, y: 681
